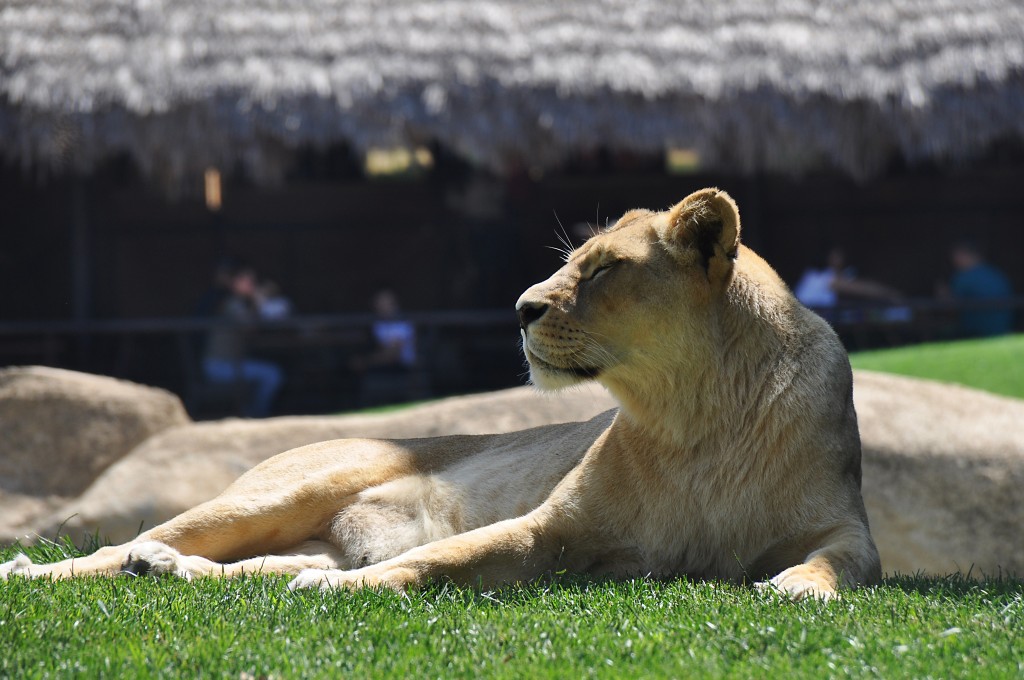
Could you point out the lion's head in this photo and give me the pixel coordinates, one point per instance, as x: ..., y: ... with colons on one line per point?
x: 638, y: 298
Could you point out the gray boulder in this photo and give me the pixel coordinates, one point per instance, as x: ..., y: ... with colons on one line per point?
x: 60, y: 429
x: 943, y: 475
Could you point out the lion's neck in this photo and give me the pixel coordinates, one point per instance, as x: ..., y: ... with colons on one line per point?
x: 727, y: 381
x: 671, y: 418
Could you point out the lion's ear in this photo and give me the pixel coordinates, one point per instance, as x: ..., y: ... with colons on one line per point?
x: 709, y: 222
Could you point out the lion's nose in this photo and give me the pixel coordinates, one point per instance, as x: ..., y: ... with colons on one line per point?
x: 529, y: 312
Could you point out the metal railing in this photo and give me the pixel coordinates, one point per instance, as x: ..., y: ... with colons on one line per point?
x: 163, y: 351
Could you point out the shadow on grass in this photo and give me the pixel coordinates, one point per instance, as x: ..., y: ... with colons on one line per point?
x: 956, y: 585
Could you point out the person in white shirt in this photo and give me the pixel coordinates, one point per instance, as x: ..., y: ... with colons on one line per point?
x: 822, y: 288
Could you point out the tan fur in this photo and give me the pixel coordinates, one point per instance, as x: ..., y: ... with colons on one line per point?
x: 735, y: 454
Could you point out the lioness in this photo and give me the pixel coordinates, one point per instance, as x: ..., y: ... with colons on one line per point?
x: 735, y: 453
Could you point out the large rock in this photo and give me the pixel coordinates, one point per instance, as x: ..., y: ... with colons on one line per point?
x: 943, y: 465
x: 943, y: 475
x: 60, y: 429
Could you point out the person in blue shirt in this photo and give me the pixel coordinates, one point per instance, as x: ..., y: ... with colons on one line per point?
x: 388, y: 373
x: 394, y: 337
x: 976, y: 280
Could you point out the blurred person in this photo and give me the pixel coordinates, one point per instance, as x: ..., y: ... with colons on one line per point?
x: 271, y: 302
x: 225, y: 359
x: 395, y: 338
x: 975, y: 280
x: 823, y: 288
x: 220, y: 287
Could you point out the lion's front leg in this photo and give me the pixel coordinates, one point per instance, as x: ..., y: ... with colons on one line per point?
x: 153, y: 558
x: 157, y: 559
x: 104, y: 562
x: 514, y: 550
x: 848, y: 558
x: 138, y: 558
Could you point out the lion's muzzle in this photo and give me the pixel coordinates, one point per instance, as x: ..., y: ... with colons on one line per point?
x: 529, y: 312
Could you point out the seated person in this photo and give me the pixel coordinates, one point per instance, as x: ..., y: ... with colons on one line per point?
x: 225, y: 359
x: 824, y: 288
x: 272, y: 303
x: 975, y: 280
x: 395, y: 338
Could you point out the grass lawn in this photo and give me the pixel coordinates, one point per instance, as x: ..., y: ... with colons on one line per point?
x: 994, y: 364
x: 254, y: 627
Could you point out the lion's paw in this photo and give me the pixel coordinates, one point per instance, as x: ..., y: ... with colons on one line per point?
x: 798, y: 583
x: 19, y: 566
x: 153, y: 558
x: 324, y: 579
x: 370, y: 577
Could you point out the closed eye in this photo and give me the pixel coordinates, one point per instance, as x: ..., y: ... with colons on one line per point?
x: 602, y: 269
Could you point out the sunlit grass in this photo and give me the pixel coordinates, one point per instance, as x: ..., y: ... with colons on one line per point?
x: 568, y: 627
x: 253, y: 626
x: 992, y: 364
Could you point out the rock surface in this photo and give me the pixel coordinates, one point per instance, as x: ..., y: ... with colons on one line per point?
x: 60, y: 429
x: 943, y: 475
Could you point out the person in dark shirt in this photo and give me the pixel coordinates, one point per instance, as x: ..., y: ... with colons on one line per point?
x: 209, y: 303
x: 225, y: 359
x: 976, y: 280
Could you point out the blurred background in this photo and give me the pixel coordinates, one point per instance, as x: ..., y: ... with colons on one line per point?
x: 309, y: 206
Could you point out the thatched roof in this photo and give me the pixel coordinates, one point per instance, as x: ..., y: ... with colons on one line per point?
x: 790, y: 85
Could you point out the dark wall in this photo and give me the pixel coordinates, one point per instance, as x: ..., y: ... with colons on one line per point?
x: 331, y: 244
x: 898, y: 229
x: 328, y: 246
x: 35, y: 247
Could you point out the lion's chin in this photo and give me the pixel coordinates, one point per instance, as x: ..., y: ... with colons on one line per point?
x: 549, y: 381
x: 550, y: 378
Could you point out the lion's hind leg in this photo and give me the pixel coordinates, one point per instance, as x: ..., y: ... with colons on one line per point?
x: 272, y: 512
x: 203, y: 540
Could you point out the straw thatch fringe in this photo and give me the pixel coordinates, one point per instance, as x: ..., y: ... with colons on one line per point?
x: 788, y: 86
